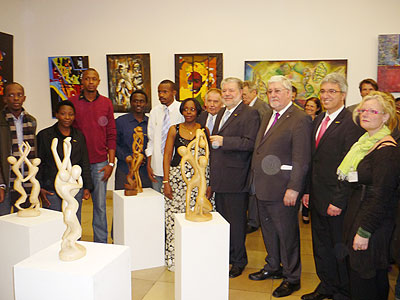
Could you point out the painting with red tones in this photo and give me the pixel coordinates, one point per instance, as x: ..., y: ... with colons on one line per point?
x: 195, y: 74
x: 389, y: 63
x: 6, y: 63
x: 65, y: 74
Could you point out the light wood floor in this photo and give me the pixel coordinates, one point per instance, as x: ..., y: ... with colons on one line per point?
x: 158, y: 283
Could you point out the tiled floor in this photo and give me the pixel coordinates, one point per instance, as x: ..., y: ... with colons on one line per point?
x: 158, y: 283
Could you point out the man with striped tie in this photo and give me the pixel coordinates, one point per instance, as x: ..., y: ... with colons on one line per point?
x: 161, y: 118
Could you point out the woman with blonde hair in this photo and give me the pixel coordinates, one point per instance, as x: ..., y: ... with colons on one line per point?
x: 368, y: 179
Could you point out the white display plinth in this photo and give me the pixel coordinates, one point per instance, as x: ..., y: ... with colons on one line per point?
x: 21, y: 237
x: 103, y: 274
x: 139, y: 224
x: 201, y: 258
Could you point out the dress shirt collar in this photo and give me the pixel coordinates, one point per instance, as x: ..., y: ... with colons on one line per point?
x: 333, y: 116
x: 282, y: 111
x: 233, y: 109
x: 253, y: 101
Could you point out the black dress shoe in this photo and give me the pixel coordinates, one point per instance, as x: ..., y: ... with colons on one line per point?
x: 262, y: 275
x: 285, y: 289
x: 315, y: 296
x: 306, y: 220
x: 235, y: 271
x: 250, y: 229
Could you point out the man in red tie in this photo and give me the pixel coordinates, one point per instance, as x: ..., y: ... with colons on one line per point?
x: 334, y: 132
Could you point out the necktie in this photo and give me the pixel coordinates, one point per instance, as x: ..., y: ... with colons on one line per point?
x: 165, y: 128
x: 210, y: 123
x: 225, y: 118
x: 322, y: 130
x: 273, y: 123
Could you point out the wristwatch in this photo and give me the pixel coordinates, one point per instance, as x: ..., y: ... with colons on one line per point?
x: 111, y: 164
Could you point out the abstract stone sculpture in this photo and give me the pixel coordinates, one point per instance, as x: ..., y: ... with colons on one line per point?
x: 33, y: 209
x: 134, y: 161
x: 203, y: 206
x: 68, y: 182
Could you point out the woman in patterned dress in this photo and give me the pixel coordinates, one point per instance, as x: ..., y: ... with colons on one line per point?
x: 174, y: 187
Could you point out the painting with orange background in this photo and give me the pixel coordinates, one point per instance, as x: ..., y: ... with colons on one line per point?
x: 195, y: 74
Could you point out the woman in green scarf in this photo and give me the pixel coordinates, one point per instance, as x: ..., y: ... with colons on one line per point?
x: 368, y: 179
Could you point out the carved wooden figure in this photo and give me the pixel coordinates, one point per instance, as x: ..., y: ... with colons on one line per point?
x: 134, y: 161
x: 68, y: 182
x: 203, y: 206
x: 33, y: 209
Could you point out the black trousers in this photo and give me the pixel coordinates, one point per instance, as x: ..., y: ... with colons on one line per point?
x: 329, y: 254
x: 280, y: 230
x: 252, y: 213
x: 376, y: 288
x: 233, y: 206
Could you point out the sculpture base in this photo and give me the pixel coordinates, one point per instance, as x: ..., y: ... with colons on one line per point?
x: 28, y: 212
x: 72, y: 253
x: 192, y: 216
x: 130, y: 192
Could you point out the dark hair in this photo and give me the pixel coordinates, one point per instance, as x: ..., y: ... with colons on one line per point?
x: 294, y: 89
x: 317, y: 103
x: 170, y: 82
x: 64, y: 103
x: 13, y: 83
x: 368, y: 81
x: 196, y: 105
x: 397, y: 99
x: 138, y: 92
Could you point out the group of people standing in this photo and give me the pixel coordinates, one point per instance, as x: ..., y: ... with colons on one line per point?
x: 265, y: 159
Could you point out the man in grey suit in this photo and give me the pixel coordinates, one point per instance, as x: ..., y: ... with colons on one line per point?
x: 279, y: 166
x: 250, y: 98
x: 232, y: 141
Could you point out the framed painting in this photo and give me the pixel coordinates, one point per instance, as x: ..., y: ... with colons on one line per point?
x: 6, y: 63
x: 126, y: 74
x: 306, y: 75
x: 65, y: 74
x: 389, y: 63
x: 195, y: 74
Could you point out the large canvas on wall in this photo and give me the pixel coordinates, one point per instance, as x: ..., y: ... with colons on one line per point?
x: 65, y: 74
x: 306, y: 75
x: 195, y: 74
x: 6, y: 63
x: 126, y: 74
x: 389, y: 63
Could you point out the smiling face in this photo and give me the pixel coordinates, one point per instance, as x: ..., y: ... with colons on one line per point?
x: 65, y: 116
x: 331, y: 96
x: 279, y: 97
x: 138, y: 103
x: 370, y: 121
x: 231, y: 94
x: 213, y: 103
x: 310, y: 108
x: 14, y: 98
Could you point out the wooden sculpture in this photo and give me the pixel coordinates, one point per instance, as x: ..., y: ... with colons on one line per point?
x: 134, y: 161
x: 203, y: 206
x: 33, y: 209
x: 68, y: 182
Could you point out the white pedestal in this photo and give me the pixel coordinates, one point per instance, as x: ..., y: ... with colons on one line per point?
x: 201, y: 258
x: 139, y: 224
x: 103, y: 274
x: 22, y: 237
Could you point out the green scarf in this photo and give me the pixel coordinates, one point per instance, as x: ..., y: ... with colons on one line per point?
x: 359, y: 150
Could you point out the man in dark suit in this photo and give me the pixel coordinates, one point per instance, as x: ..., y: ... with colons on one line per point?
x: 279, y: 166
x: 232, y: 141
x: 250, y: 98
x: 213, y: 104
x: 334, y: 132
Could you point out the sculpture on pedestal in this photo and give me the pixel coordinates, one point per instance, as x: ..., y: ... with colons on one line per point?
x: 68, y: 182
x: 33, y: 209
x: 203, y: 206
x: 134, y: 162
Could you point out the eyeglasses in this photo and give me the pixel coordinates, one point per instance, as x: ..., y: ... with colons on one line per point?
x: 330, y: 92
x: 370, y: 111
x: 277, y: 91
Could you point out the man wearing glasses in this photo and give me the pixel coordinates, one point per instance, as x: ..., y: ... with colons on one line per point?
x: 334, y: 132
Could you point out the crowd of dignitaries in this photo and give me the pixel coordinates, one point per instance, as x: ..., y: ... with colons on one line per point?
x: 265, y: 161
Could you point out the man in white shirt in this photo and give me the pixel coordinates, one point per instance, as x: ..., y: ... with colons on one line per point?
x: 213, y: 104
x: 161, y: 118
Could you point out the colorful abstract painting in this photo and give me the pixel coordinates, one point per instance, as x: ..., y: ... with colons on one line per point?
x: 6, y: 63
x: 389, y: 63
x: 306, y: 75
x: 65, y: 74
x: 195, y: 74
x: 126, y: 74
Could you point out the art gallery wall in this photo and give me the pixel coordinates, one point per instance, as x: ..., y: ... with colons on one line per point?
x: 241, y: 30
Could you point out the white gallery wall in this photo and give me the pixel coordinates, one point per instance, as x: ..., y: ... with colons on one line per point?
x: 241, y: 30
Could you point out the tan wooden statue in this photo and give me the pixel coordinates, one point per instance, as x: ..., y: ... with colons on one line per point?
x: 203, y: 206
x: 68, y: 182
x: 33, y: 209
x: 134, y: 162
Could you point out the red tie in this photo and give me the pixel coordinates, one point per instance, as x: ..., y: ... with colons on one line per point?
x: 322, y: 130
